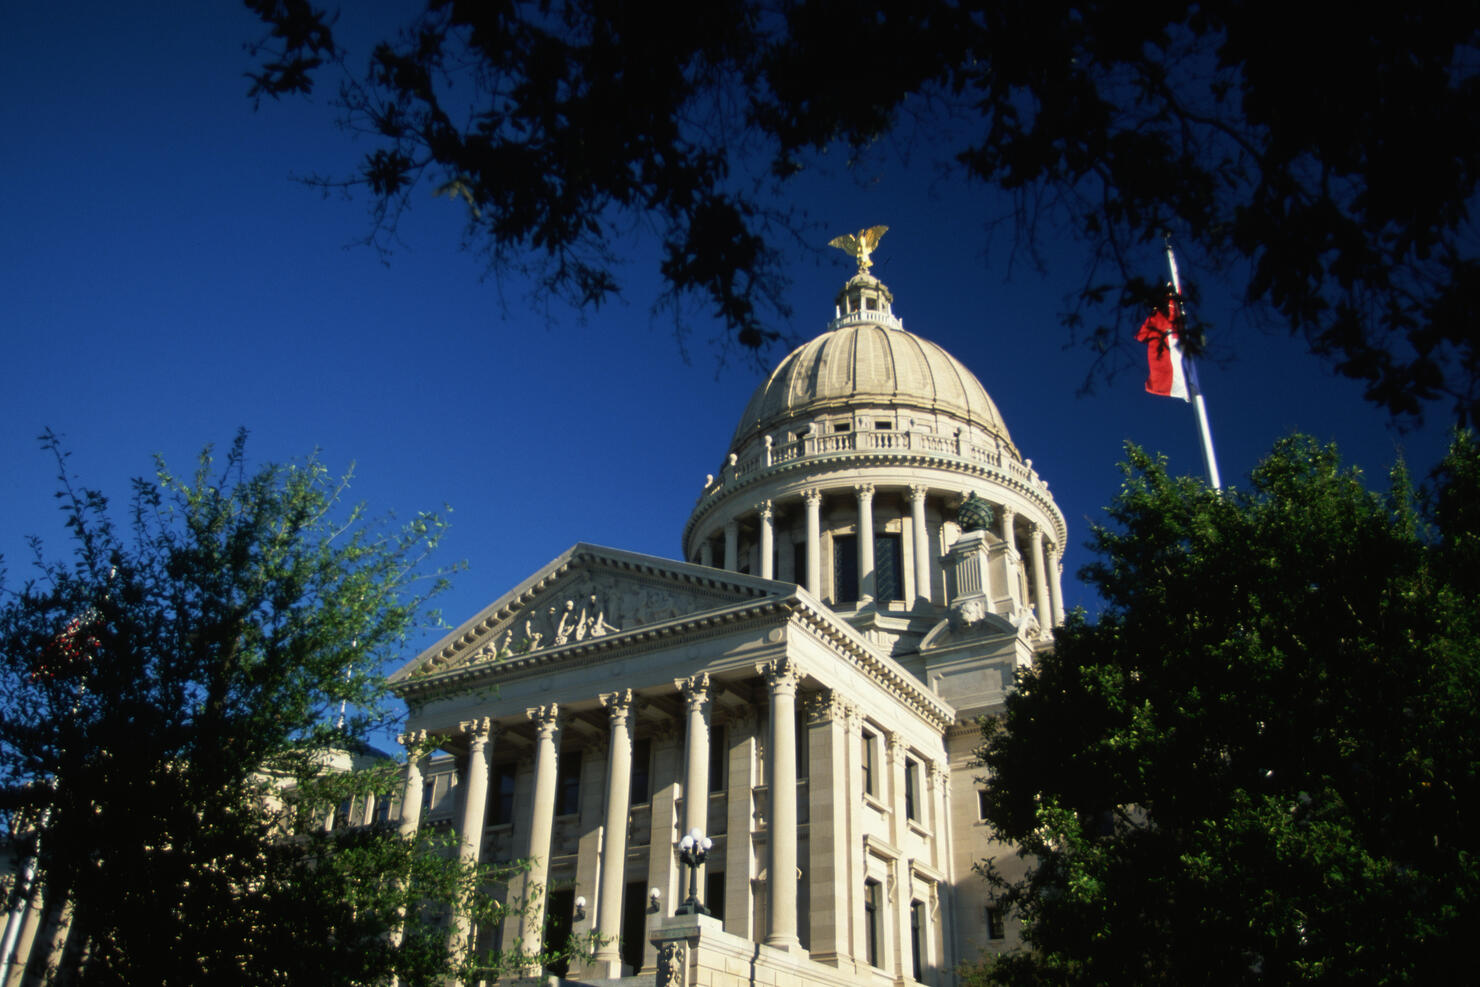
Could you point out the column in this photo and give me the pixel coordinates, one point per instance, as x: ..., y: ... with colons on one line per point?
x: 813, y: 500
x: 897, y: 912
x: 415, y: 744
x: 922, y: 544
x: 768, y: 540
x: 696, y: 753
x: 475, y: 803
x: 828, y: 844
x: 732, y: 545
x: 1040, y: 581
x: 865, y: 542
x: 546, y: 720
x: 1055, y: 587
x: 781, y: 770
x: 614, y: 837
x: 706, y: 553
x: 940, y: 775
x: 1007, y: 522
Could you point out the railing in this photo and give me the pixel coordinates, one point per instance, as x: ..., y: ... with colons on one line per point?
x: 955, y: 446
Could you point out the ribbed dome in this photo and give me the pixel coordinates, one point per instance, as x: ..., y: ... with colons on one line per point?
x: 862, y: 364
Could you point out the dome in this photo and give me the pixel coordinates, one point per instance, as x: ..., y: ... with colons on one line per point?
x: 869, y: 363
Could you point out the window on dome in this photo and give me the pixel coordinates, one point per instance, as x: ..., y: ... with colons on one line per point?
x: 842, y: 426
x: 888, y: 568
x: 845, y: 569
x: 883, y: 424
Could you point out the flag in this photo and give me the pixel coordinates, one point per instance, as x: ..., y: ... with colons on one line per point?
x: 1167, y: 374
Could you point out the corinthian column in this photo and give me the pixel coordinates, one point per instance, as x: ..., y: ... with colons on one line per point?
x: 614, y: 843
x: 1055, y: 590
x: 865, y: 542
x: 1040, y: 582
x: 922, y: 543
x: 696, y: 753
x: 475, y: 802
x: 813, y: 500
x: 768, y: 540
x: 541, y: 826
x: 781, y: 909
x: 415, y: 744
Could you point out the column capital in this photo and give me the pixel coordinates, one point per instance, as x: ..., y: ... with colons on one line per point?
x: 812, y: 496
x: 416, y: 743
x: 781, y: 675
x: 937, y: 774
x: 619, y: 704
x: 763, y: 510
x: 895, y: 749
x: 918, y: 492
x: 733, y: 524
x: 478, y: 730
x: 825, y: 705
x: 546, y: 719
x: 865, y: 491
x: 695, y: 689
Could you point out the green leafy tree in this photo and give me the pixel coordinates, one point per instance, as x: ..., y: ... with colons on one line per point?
x: 1260, y: 764
x: 1321, y: 160
x: 168, y: 698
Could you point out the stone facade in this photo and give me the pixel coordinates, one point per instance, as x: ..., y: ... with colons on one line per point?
x: 803, y: 688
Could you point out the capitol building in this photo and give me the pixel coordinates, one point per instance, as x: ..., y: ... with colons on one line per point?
x: 868, y: 565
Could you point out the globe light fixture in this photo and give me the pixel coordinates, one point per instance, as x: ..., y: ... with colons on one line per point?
x: 692, y: 851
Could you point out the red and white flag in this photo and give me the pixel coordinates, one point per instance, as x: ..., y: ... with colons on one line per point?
x: 1167, y: 374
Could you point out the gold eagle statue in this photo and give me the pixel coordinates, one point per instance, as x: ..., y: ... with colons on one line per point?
x: 860, y: 245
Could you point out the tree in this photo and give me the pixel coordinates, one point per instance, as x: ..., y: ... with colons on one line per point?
x: 168, y: 699
x: 1319, y: 160
x: 1260, y: 763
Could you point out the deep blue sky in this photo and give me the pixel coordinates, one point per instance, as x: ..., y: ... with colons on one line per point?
x: 164, y: 280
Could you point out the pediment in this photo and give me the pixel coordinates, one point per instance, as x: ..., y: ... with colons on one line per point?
x: 585, y: 595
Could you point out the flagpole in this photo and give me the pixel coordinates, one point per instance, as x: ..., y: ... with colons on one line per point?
x: 1210, y: 459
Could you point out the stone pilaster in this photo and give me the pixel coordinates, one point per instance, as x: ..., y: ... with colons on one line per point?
x: 740, y: 824
x: 829, y: 865
x: 781, y: 761
x: 918, y: 493
x: 546, y: 720
x: 614, y: 836
x: 813, y: 500
x: 866, y: 588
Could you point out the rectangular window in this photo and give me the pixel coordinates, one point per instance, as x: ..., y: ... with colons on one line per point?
x: 642, y: 761
x: 888, y: 568
x: 501, y: 794
x: 383, y: 808
x: 568, y: 784
x: 996, y: 926
x: 911, y: 769
x: 916, y: 922
x: 341, y: 814
x: 981, y: 803
x: 842, y: 426
x: 871, y: 921
x: 799, y: 562
x: 428, y: 795
x: 714, y: 893
x: 869, y: 740
x: 845, y: 569
x: 719, y: 757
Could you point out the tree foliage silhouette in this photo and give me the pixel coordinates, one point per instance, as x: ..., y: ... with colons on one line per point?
x: 1321, y: 161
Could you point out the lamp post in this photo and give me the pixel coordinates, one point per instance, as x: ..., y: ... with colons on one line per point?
x: 692, y: 850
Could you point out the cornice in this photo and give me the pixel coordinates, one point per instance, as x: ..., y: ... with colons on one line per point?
x: 833, y: 462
